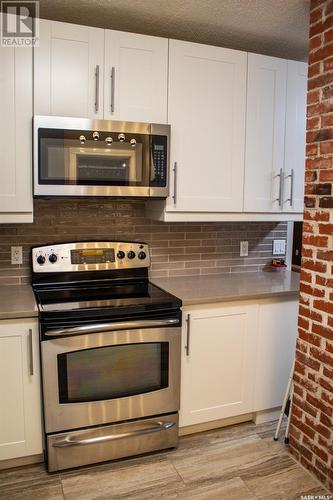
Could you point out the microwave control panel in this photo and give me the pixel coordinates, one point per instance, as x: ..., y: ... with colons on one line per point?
x: 159, y: 151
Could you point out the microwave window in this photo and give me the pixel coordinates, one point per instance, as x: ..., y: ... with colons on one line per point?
x: 117, y: 170
x: 112, y: 372
x: 65, y: 159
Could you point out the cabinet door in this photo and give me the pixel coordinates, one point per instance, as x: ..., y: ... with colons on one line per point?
x: 136, y: 76
x: 206, y: 111
x: 69, y: 70
x: 277, y: 331
x: 265, y: 132
x: 294, y: 163
x: 218, y: 368
x: 20, y: 415
x: 15, y: 132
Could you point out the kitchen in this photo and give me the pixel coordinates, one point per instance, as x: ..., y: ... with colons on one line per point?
x: 156, y: 269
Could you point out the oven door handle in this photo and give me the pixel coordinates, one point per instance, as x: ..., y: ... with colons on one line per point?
x: 71, y: 441
x: 103, y: 327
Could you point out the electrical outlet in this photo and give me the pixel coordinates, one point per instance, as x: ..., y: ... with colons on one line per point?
x: 244, y: 249
x: 279, y: 247
x: 17, y: 257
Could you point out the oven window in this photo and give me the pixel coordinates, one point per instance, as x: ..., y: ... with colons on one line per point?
x: 112, y: 372
x: 64, y: 159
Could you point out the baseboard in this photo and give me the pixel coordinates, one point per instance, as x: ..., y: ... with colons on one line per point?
x: 21, y: 461
x: 260, y: 417
x: 215, y: 424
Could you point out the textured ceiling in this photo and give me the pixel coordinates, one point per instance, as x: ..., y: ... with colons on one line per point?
x: 274, y: 27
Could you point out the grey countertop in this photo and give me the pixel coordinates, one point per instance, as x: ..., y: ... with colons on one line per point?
x: 228, y: 287
x: 17, y: 301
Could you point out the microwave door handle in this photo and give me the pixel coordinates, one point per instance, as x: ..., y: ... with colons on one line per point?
x: 107, y: 327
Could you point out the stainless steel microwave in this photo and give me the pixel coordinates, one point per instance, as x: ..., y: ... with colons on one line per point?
x: 82, y: 157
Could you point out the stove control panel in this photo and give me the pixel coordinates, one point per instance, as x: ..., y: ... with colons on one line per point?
x: 90, y: 256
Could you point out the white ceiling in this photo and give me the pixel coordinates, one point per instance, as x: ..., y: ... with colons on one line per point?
x: 273, y: 27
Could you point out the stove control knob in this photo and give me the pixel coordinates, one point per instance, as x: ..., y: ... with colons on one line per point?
x: 120, y: 254
x: 41, y: 260
x: 131, y: 254
x: 142, y: 255
x: 53, y: 258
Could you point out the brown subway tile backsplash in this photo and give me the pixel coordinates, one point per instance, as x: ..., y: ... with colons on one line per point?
x: 177, y: 249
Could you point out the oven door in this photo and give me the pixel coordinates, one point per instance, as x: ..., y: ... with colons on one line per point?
x: 110, y: 376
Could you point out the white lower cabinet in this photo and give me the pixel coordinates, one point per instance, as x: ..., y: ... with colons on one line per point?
x: 277, y: 331
x: 20, y: 395
x: 218, y: 369
x: 236, y: 358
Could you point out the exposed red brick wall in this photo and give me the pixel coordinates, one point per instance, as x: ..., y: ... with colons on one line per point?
x: 311, y: 432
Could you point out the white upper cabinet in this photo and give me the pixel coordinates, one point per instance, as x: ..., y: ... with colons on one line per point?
x: 293, y: 193
x: 94, y: 73
x: 15, y: 134
x: 69, y: 70
x: 136, y: 76
x: 265, y: 133
x: 237, y: 120
x: 206, y: 111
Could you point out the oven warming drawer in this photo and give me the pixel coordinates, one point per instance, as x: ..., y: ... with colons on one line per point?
x: 98, y: 444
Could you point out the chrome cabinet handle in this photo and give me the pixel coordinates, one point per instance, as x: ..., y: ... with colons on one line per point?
x: 31, y: 353
x: 104, y: 327
x: 175, y: 183
x: 280, y: 175
x: 97, y: 88
x: 291, y: 175
x: 71, y: 441
x: 188, y: 333
x: 112, y: 76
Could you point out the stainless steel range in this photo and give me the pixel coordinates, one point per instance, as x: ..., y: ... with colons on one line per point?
x: 110, y: 353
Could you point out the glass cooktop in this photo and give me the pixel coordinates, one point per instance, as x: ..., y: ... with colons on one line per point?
x: 133, y: 294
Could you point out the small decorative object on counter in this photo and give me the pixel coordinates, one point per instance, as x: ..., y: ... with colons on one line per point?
x: 278, y: 264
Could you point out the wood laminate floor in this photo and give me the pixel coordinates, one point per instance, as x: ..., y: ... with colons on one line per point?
x: 240, y: 462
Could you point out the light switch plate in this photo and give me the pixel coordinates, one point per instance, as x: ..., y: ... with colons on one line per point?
x: 244, y: 249
x: 16, y: 255
x: 279, y: 247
